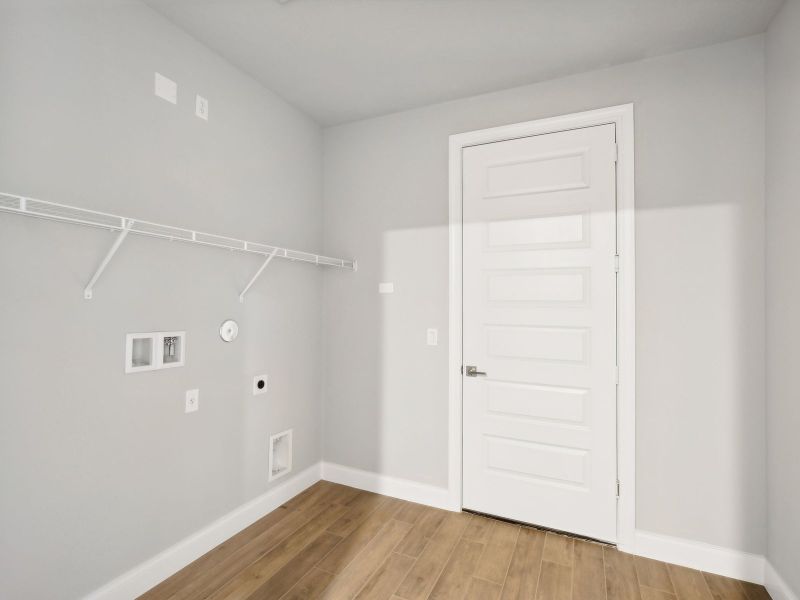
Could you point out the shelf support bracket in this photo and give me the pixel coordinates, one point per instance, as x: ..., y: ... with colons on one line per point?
x: 126, y: 227
x: 258, y: 274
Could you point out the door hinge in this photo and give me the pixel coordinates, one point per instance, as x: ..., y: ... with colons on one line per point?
x: 616, y: 263
x: 462, y: 369
x: 617, y: 488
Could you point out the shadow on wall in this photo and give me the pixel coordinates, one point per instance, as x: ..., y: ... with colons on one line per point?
x: 413, y: 417
x: 699, y: 281
x: 385, y: 400
x: 699, y: 357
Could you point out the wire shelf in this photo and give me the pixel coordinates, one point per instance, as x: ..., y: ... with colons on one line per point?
x: 81, y: 216
x: 42, y: 209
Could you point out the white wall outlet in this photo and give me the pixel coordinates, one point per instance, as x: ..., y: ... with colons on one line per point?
x: 192, y: 400
x: 166, y: 88
x: 260, y: 384
x: 386, y: 288
x: 433, y: 337
x: 201, y: 107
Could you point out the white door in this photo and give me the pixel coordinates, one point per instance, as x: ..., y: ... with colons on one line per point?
x: 539, y: 439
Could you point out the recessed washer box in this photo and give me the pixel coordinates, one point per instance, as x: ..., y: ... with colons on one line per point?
x: 154, y: 350
x: 172, y: 347
x: 141, y: 352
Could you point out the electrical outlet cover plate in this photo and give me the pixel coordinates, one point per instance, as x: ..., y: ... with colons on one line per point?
x: 192, y: 400
x: 433, y: 337
x: 201, y: 107
x: 260, y: 384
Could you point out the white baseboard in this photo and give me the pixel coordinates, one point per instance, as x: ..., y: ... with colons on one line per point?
x: 151, y: 572
x: 776, y: 586
x: 700, y: 556
x: 688, y: 553
x: 405, y: 489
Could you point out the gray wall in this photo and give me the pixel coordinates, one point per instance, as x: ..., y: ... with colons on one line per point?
x: 102, y: 470
x: 699, y: 283
x: 783, y: 291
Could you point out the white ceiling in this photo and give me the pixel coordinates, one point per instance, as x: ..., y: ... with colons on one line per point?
x: 343, y: 60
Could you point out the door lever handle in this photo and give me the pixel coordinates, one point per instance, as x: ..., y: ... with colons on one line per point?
x: 472, y: 371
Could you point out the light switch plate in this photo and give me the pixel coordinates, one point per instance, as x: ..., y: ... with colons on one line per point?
x: 166, y: 88
x: 433, y: 337
x: 192, y: 400
x: 201, y: 107
x: 386, y: 288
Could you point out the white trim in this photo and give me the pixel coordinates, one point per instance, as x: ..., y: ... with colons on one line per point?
x: 405, y: 489
x: 153, y: 571
x: 456, y: 341
x: 777, y: 586
x: 701, y: 556
x: 622, y: 118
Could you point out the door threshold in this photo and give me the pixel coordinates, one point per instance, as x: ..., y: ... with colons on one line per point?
x: 585, y: 538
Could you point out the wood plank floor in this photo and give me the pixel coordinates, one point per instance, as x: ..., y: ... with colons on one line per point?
x: 337, y: 542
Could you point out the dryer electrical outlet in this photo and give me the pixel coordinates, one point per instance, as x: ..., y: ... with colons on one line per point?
x: 260, y: 384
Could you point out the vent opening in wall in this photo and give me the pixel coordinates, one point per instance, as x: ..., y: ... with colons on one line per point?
x: 280, y: 454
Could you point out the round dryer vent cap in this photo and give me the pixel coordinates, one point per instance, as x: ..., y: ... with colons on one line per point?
x: 229, y: 330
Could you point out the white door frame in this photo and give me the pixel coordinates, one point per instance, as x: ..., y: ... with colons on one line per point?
x: 622, y: 117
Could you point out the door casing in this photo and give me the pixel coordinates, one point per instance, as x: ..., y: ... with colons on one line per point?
x: 622, y: 117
